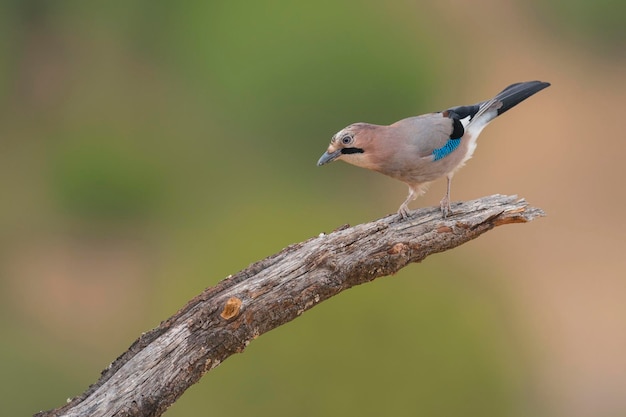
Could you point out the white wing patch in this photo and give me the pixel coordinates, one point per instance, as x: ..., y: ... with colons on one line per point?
x: 465, y: 121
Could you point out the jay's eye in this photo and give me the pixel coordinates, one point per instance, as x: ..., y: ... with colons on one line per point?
x: 346, y: 140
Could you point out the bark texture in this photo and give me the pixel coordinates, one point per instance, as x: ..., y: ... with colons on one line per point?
x: 162, y: 363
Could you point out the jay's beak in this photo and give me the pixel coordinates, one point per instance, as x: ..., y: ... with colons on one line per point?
x: 328, y: 157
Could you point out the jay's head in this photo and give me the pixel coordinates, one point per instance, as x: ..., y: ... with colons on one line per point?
x: 350, y: 145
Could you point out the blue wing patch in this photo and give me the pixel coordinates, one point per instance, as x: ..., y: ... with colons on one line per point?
x: 446, y: 149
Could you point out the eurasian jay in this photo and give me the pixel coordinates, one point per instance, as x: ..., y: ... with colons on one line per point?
x: 420, y: 149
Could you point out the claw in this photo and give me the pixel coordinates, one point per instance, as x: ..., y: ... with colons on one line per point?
x: 445, y: 207
x: 403, y: 212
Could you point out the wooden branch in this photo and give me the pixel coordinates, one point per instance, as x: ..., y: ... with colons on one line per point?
x: 162, y: 363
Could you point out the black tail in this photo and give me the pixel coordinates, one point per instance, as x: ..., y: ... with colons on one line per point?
x: 518, y: 92
x: 509, y: 97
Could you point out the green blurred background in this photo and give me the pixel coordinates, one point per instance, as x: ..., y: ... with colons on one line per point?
x: 149, y: 149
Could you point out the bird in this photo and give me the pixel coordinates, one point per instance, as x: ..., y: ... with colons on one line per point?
x: 420, y: 149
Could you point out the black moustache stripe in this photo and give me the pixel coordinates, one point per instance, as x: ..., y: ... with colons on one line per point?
x: 347, y: 151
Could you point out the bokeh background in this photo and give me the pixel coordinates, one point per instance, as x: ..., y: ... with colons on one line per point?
x: 149, y: 149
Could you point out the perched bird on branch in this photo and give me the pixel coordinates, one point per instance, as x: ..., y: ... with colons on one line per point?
x: 420, y: 149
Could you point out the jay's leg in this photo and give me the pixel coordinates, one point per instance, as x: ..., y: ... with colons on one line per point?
x: 415, y: 190
x: 403, y: 211
x: 445, y: 201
